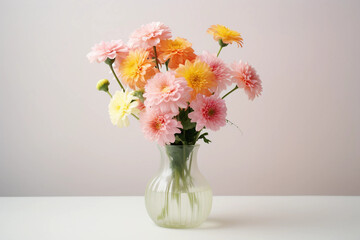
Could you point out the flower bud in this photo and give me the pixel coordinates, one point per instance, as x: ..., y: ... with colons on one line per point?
x: 103, y: 85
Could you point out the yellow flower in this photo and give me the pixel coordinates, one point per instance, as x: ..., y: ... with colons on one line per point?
x: 225, y: 34
x: 121, y: 106
x: 178, y: 51
x: 199, y: 77
x: 137, y: 68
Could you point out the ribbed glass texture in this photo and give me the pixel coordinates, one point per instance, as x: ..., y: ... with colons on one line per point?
x: 178, y: 196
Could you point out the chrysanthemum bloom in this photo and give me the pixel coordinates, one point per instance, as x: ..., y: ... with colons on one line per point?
x: 220, y: 70
x: 245, y: 76
x: 227, y: 35
x: 159, y: 127
x: 103, y: 50
x: 149, y: 35
x: 198, y: 75
x: 178, y: 51
x: 209, y: 112
x: 121, y: 106
x: 167, y: 93
x: 137, y: 68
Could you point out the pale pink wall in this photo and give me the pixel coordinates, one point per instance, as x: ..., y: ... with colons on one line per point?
x: 301, y: 137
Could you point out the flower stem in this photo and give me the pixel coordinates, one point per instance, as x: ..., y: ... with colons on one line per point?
x: 117, y: 79
x: 236, y: 87
x: 167, y: 64
x: 221, y: 47
x: 109, y: 93
x: 156, y: 58
x: 135, y: 116
x: 197, y: 135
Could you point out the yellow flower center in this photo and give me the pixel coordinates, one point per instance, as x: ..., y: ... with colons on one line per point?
x: 196, y: 80
x: 166, y: 89
x: 158, y: 123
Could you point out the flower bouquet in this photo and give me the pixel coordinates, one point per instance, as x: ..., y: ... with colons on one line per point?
x: 177, y: 95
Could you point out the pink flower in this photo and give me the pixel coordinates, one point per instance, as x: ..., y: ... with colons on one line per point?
x: 166, y: 93
x: 149, y: 35
x: 103, y: 50
x: 140, y: 105
x: 245, y: 76
x: 159, y: 127
x: 220, y: 70
x: 209, y: 112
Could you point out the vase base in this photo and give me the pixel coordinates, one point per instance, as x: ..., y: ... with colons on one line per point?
x: 178, y: 226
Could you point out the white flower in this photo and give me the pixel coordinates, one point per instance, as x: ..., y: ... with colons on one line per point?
x: 122, y: 105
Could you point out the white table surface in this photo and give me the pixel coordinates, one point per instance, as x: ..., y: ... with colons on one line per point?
x: 247, y: 218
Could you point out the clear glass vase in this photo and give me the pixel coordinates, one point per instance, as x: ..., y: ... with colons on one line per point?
x: 178, y: 196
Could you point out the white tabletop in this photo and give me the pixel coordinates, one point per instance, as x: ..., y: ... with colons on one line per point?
x: 247, y: 218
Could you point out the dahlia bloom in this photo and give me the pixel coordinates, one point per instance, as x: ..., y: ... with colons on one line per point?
x: 103, y: 50
x: 178, y: 51
x: 159, y: 127
x: 137, y: 68
x: 149, y: 35
x: 121, y: 106
x: 166, y: 93
x: 209, y: 112
x: 225, y: 34
x: 220, y: 70
x: 245, y: 76
x: 198, y: 75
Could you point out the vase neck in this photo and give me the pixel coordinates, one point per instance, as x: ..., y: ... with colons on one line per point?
x: 179, y: 157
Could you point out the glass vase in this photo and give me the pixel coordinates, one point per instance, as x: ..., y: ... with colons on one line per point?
x: 178, y: 196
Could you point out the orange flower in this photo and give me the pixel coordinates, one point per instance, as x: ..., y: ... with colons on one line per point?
x: 225, y: 34
x: 178, y: 51
x: 137, y: 68
x: 199, y: 77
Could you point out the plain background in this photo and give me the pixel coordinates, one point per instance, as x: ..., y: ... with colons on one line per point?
x: 302, y: 136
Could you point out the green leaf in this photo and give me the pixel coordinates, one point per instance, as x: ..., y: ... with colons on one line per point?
x: 185, y: 120
x: 178, y: 139
x: 139, y: 95
x: 203, y: 137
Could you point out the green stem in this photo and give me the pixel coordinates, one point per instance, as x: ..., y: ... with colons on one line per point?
x: 197, y: 136
x: 180, y: 183
x: 109, y: 93
x: 236, y: 87
x: 156, y: 58
x: 190, y: 163
x: 135, y: 116
x: 167, y: 64
x: 221, y: 47
x: 117, y: 79
x: 184, y: 141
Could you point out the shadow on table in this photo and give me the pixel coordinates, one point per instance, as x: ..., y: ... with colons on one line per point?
x: 216, y: 223
x: 282, y: 219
